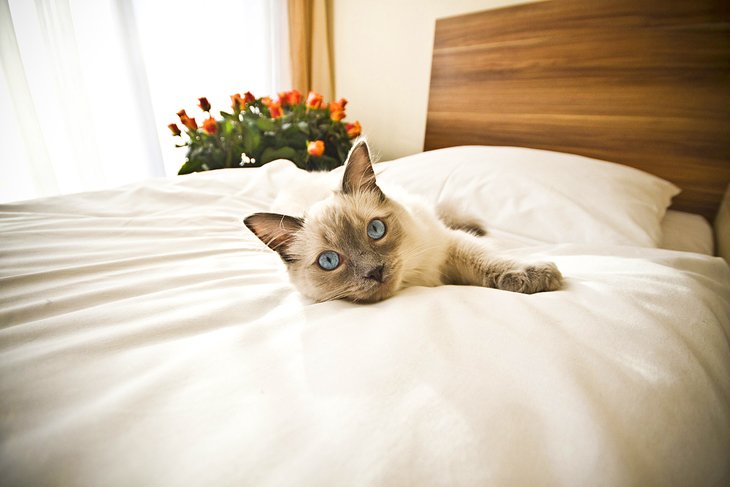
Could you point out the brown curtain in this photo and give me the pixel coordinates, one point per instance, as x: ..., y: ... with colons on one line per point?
x: 311, y: 63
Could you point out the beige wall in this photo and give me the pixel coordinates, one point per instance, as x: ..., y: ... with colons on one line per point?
x: 382, y: 51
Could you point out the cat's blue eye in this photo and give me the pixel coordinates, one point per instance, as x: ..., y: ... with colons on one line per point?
x: 328, y: 260
x: 376, y: 229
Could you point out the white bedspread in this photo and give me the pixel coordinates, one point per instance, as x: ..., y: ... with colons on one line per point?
x: 147, y: 338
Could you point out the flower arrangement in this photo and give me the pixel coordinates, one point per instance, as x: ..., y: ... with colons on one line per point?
x: 308, y: 132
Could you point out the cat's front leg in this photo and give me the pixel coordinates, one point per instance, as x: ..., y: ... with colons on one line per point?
x: 471, y: 264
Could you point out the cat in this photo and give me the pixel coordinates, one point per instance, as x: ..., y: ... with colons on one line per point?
x: 364, y: 246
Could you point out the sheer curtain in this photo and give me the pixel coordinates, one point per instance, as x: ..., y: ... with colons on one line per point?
x: 87, y: 87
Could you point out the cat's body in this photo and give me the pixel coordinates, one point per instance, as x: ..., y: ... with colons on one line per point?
x: 363, y: 245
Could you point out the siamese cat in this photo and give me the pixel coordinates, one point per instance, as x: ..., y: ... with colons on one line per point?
x: 364, y: 245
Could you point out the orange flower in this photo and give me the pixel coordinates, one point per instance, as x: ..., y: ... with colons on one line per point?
x: 353, y: 129
x: 340, y: 103
x: 275, y: 109
x: 237, y: 103
x: 290, y: 98
x: 204, y: 104
x: 314, y: 100
x: 174, y: 129
x: 248, y: 97
x: 295, y: 97
x: 266, y: 100
x: 210, y: 125
x: 187, y: 121
x: 315, y: 148
x: 337, y: 109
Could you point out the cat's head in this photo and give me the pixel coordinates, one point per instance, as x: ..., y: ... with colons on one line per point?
x: 345, y: 247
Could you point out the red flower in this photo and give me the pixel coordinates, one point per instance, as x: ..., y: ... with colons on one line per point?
x: 353, y: 129
x: 174, y: 129
x: 337, y: 109
x: 187, y: 121
x: 248, y: 97
x: 210, y: 125
x: 315, y: 148
x: 314, y: 100
x: 203, y: 104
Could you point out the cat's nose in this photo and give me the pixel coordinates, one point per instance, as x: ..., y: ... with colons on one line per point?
x: 376, y: 273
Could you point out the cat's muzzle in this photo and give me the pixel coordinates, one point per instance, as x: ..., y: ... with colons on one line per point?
x: 376, y: 274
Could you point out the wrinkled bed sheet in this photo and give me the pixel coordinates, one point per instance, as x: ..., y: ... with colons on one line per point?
x: 147, y: 338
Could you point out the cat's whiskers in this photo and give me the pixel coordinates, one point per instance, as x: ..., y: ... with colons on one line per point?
x: 344, y: 291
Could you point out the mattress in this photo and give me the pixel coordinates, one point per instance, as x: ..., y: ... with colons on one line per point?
x: 148, y: 338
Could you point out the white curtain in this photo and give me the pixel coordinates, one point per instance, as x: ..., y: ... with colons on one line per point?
x: 88, y: 87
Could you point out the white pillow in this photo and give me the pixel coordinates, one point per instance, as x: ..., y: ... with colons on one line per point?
x: 687, y: 232
x: 543, y: 195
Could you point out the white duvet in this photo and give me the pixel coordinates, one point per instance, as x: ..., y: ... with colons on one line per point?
x: 147, y: 338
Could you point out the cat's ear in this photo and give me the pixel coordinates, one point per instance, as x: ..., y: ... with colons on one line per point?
x: 359, y: 175
x: 276, y: 231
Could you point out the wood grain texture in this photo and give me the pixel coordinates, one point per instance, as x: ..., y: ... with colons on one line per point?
x: 643, y: 83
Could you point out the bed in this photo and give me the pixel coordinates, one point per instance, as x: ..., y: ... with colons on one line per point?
x: 147, y: 338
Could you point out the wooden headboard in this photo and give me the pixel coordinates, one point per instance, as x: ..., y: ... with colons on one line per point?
x: 645, y: 83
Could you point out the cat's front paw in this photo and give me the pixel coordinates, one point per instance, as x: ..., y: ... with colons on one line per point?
x: 533, y: 278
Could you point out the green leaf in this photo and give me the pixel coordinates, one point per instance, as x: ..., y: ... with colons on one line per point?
x: 265, y: 124
x: 297, y: 140
x: 271, y: 154
x: 190, y: 167
x: 251, y: 140
x: 328, y: 163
